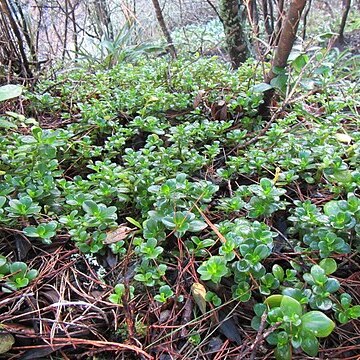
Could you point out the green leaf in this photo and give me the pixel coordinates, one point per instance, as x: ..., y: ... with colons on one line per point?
x: 331, y: 208
x: 18, y: 268
x: 10, y: 91
x: 279, y: 82
x: 259, y: 309
x: 310, y: 344
x: 32, y: 274
x: 355, y: 312
x: 295, y: 293
x: 22, y: 282
x: 317, y: 323
x: 344, y: 176
x: 115, y: 299
x: 299, y: 62
x: 30, y: 231
x: 328, y: 265
x: 332, y: 285
x: 262, y: 251
x: 133, y: 222
x: 90, y: 207
x: 343, y: 318
x: 345, y: 300
x: 197, y: 225
x: 277, y: 70
x: 273, y: 301
x: 278, y: 272
x: 7, y: 124
x: 290, y: 306
x: 283, y: 352
x: 2, y: 260
x: 169, y: 222
x: 255, y: 322
x: 318, y: 274
x: 262, y: 87
x: 166, y: 291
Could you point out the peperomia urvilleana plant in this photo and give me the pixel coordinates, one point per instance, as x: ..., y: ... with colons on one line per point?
x: 292, y: 326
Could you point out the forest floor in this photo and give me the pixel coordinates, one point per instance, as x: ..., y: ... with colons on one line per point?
x: 157, y: 208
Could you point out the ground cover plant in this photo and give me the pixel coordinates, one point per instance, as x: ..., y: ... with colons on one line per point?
x: 149, y: 210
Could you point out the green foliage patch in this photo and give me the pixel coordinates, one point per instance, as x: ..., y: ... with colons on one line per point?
x: 146, y: 145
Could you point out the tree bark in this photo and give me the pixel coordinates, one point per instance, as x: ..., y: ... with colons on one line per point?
x: 287, y: 36
x: 267, y: 19
x: 5, y: 9
x: 164, y: 29
x: 27, y: 33
x: 343, y: 20
x: 305, y: 19
x: 66, y: 23
x: 103, y: 18
x: 236, y: 40
x: 279, y: 21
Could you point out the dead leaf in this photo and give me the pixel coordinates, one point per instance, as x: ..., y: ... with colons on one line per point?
x: 314, y: 109
x: 23, y: 246
x: 219, y: 110
x: 198, y: 98
x: 118, y: 234
x: 343, y: 138
x: 164, y: 316
x: 6, y: 343
x: 229, y: 328
x: 41, y: 352
x: 212, y: 226
x: 199, y: 292
x: 215, y: 344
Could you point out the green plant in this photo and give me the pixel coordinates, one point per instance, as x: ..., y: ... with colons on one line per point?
x: 327, y: 242
x: 43, y: 231
x: 22, y: 207
x: 198, y: 246
x: 15, y: 275
x: 141, y: 141
x: 181, y: 222
x: 294, y: 327
x: 165, y: 293
x: 10, y: 91
x: 120, y: 49
x: 148, y: 249
x: 119, y: 292
x: 266, y: 199
x: 344, y: 311
x: 212, y: 298
x: 213, y: 269
x: 150, y: 275
x: 321, y: 285
x: 242, y: 291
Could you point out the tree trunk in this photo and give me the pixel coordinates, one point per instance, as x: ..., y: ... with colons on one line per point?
x: 347, y: 4
x: 66, y: 24
x: 102, y: 14
x: 285, y: 44
x: 236, y: 40
x: 279, y: 21
x: 287, y: 36
x: 267, y: 19
x: 27, y: 33
x: 307, y: 11
x: 25, y: 67
x: 164, y: 29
